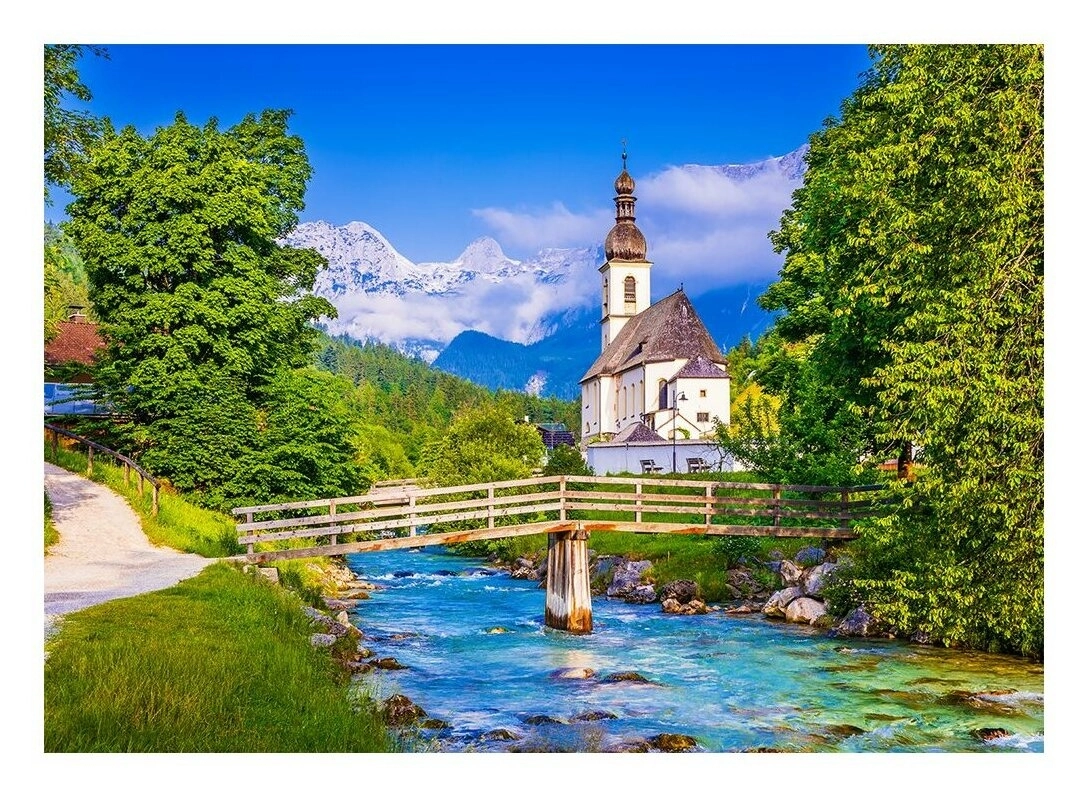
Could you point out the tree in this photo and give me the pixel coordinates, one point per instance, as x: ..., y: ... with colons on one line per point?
x: 178, y: 236
x: 566, y: 460
x: 68, y: 133
x: 482, y: 445
x: 65, y: 280
x: 914, y: 272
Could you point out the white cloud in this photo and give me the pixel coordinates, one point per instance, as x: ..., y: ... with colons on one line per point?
x: 554, y: 227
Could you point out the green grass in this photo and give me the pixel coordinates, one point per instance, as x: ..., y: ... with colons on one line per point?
x: 51, y: 535
x: 178, y: 524
x: 219, y: 663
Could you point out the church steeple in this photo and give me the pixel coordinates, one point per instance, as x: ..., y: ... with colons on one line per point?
x: 625, y: 241
x: 626, y: 274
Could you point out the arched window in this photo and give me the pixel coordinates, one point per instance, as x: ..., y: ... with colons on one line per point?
x: 630, y: 294
x: 624, y: 402
x: 605, y: 295
x: 634, y: 400
x: 663, y: 395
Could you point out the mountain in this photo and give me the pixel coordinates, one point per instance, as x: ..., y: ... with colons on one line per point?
x: 382, y: 296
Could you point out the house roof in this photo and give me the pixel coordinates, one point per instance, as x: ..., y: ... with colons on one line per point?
x: 77, y: 341
x: 667, y: 330
x: 637, y: 432
x: 700, y: 368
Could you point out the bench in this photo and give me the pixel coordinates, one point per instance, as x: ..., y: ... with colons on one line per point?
x: 649, y: 466
x: 697, y: 465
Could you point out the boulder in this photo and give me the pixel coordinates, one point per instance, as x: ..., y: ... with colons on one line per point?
x: 813, y: 579
x: 387, y: 663
x: 809, y: 556
x: 671, y: 606
x: 985, y: 734
x: 626, y: 677
x: 338, y: 605
x: 271, y: 573
x: 857, y: 622
x: 790, y: 573
x: 499, y: 734
x: 681, y: 590
x: 524, y: 573
x: 322, y: 639
x: 642, y: 595
x: 778, y: 602
x: 672, y: 742
x: 805, y: 610
x: 402, y: 573
x: 536, y: 721
x: 627, y: 575
x: 398, y: 710
x: 741, y: 583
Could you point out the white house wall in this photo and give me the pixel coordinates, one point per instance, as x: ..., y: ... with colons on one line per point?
x: 612, y: 458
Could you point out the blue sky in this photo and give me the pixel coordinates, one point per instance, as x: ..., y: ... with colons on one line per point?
x: 436, y: 145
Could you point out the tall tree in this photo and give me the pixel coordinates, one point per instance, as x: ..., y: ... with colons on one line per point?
x: 914, y: 271
x: 68, y: 132
x: 178, y: 235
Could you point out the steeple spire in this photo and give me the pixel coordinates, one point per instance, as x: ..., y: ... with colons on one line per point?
x: 625, y: 241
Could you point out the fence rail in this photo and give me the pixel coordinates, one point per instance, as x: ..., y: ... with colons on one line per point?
x: 403, y: 517
x: 127, y: 464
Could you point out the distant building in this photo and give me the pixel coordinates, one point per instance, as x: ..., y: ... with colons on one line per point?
x: 554, y: 434
x: 659, y: 365
x: 69, y: 357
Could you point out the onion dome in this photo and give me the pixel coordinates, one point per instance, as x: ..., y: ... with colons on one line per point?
x: 625, y: 241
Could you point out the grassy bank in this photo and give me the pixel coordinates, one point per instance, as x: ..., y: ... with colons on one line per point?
x: 219, y: 663
x: 178, y: 524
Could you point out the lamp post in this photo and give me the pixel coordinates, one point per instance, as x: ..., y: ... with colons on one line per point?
x: 673, y: 429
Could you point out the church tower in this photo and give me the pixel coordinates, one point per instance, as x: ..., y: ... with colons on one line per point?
x: 626, y: 274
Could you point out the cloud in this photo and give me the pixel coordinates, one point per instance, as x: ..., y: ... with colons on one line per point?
x: 555, y: 227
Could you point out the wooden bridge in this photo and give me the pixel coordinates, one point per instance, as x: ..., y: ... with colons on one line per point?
x: 567, y: 508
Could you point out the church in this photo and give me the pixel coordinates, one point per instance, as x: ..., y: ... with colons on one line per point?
x: 661, y: 382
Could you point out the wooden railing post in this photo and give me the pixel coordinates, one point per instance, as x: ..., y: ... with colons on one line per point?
x: 412, y: 502
x: 331, y: 514
x: 491, y: 495
x: 639, y: 501
x: 124, y: 467
x: 709, y: 510
x: 777, y: 493
x: 564, y: 497
x: 154, y: 499
x: 141, y: 484
x: 56, y: 439
x: 844, y: 519
x: 90, y: 460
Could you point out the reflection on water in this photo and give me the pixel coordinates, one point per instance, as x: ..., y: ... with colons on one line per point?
x: 479, y: 657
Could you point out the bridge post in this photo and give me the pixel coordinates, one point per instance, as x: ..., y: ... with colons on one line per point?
x: 568, y: 583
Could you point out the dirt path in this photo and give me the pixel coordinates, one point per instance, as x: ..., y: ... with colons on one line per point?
x: 102, y: 553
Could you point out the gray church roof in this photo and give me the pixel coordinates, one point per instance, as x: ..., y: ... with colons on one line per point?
x: 667, y: 330
x: 637, y: 432
x: 700, y: 368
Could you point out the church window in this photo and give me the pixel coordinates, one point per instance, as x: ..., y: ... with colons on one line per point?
x: 703, y: 393
x: 701, y: 417
x: 630, y: 294
x: 663, y: 395
x: 605, y: 295
x: 624, y: 402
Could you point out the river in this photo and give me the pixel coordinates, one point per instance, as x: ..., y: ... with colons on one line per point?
x: 478, y: 657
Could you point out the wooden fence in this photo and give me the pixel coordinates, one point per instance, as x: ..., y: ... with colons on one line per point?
x: 394, y: 517
x: 127, y: 464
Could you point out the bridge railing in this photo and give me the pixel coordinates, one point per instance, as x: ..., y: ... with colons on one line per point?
x: 597, y: 503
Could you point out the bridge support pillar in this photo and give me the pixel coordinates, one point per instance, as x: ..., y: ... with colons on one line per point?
x: 568, y: 582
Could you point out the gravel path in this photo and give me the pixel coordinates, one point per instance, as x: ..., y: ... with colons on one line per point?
x: 102, y: 553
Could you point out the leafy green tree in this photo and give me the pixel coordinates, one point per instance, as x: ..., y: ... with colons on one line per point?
x: 481, y: 446
x: 68, y: 133
x: 914, y: 272
x: 566, y: 460
x: 178, y: 236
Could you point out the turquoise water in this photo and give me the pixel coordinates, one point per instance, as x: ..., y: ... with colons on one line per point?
x: 479, y: 658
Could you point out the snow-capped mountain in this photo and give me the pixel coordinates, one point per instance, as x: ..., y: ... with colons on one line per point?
x: 790, y: 167
x: 420, y: 307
